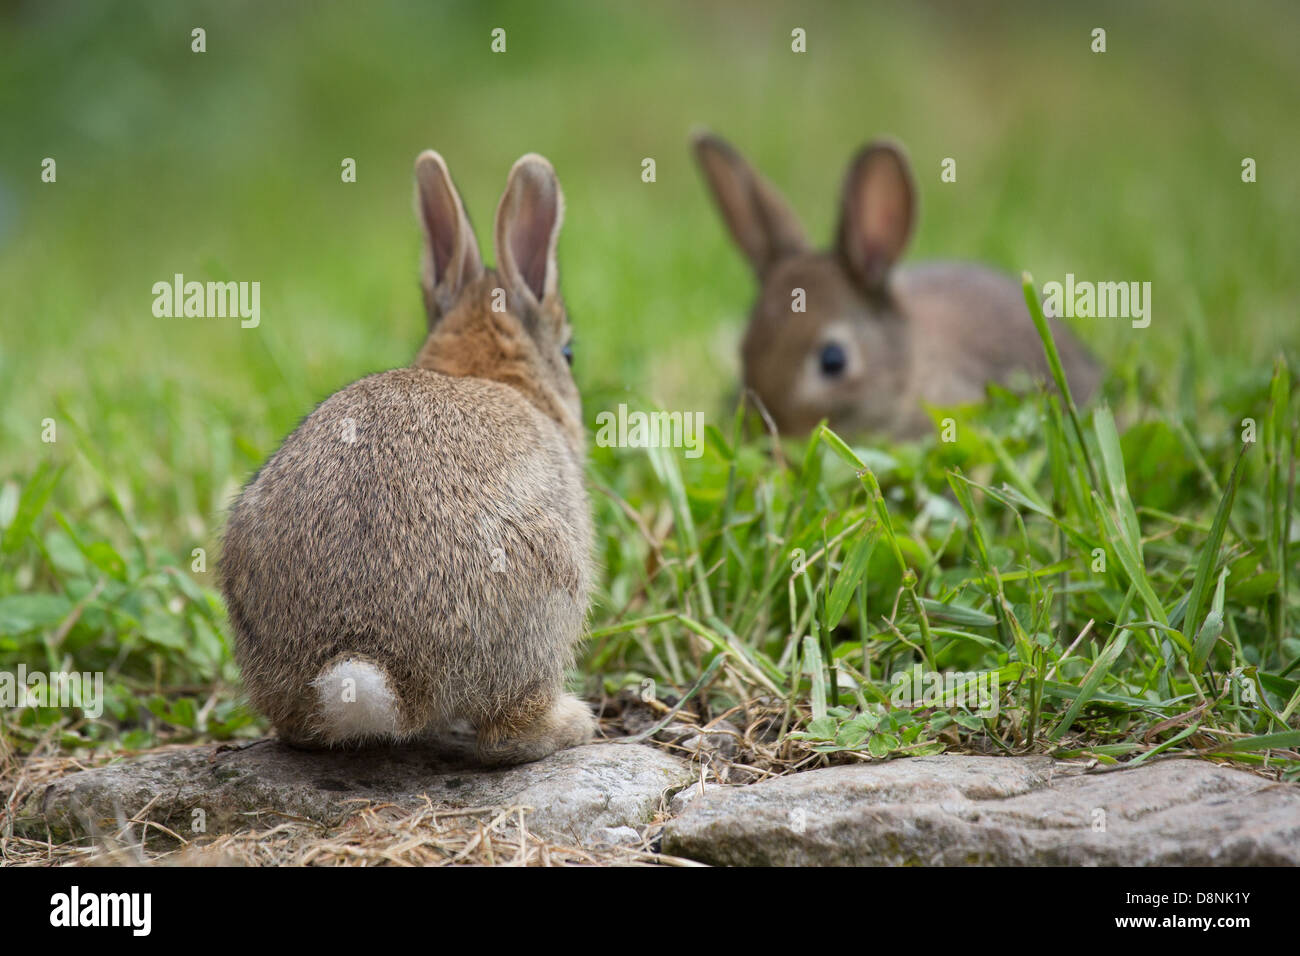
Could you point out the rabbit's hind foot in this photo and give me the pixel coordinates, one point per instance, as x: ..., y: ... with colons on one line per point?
x: 568, y: 723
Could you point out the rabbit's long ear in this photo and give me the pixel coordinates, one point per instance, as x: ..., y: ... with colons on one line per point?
x: 759, y: 219
x: 527, y: 231
x: 451, y: 258
x: 878, y: 206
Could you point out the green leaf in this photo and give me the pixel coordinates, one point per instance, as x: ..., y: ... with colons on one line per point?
x: 1210, y: 552
x: 20, y: 613
x: 1112, y: 459
x: 855, y: 566
x: 65, y: 555
x: 869, y: 482
x: 181, y: 712
x: 1091, y: 681
x: 163, y: 630
x: 880, y: 745
x: 1282, y: 740
x: 1058, y: 371
x: 191, y: 589
x: 852, y: 733
x: 1156, y: 462
x: 99, y: 553
x: 664, y: 463
x: 822, y: 728
x: 940, y: 720
x: 1135, y: 570
x: 30, y: 505
x: 812, y: 662
x: 957, y: 614
x: 1211, y: 629
x: 714, y: 438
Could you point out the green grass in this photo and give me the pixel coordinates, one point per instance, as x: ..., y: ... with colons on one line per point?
x: 975, y: 555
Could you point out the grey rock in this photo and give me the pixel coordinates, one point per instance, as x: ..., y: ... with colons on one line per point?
x: 960, y: 810
x: 617, y: 836
x: 683, y: 798
x: 579, y: 796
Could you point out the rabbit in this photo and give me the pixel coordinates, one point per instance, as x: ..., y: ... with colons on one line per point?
x: 874, y: 342
x: 418, y: 553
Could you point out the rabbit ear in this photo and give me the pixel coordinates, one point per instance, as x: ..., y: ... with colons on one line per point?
x: 528, y: 229
x: 877, y: 211
x: 451, y: 257
x: 759, y: 219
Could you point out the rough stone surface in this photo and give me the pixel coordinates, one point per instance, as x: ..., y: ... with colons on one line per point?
x: 958, y: 810
x: 589, y: 795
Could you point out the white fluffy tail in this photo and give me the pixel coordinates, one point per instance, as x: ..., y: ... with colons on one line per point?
x: 355, y: 702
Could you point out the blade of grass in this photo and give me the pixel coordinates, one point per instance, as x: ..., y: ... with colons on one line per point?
x: 1092, y: 681
x: 1210, y: 553
x: 1058, y: 372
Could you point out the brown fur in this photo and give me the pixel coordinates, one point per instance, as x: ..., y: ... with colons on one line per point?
x: 388, y: 549
x: 932, y: 333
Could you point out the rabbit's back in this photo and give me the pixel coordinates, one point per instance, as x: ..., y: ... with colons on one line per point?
x: 437, y: 525
x: 969, y: 325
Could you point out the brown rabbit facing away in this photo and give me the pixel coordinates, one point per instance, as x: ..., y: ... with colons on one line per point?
x: 873, y: 343
x: 418, y: 552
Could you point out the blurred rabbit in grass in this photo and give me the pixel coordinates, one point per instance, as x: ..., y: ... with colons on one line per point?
x: 873, y: 343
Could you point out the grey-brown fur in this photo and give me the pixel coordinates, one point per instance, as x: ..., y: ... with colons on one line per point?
x: 449, y: 544
x: 933, y: 333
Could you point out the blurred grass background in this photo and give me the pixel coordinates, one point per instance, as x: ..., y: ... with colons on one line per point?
x: 226, y: 166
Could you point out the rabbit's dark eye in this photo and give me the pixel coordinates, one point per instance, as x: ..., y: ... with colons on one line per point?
x: 833, y: 359
x: 567, y: 352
